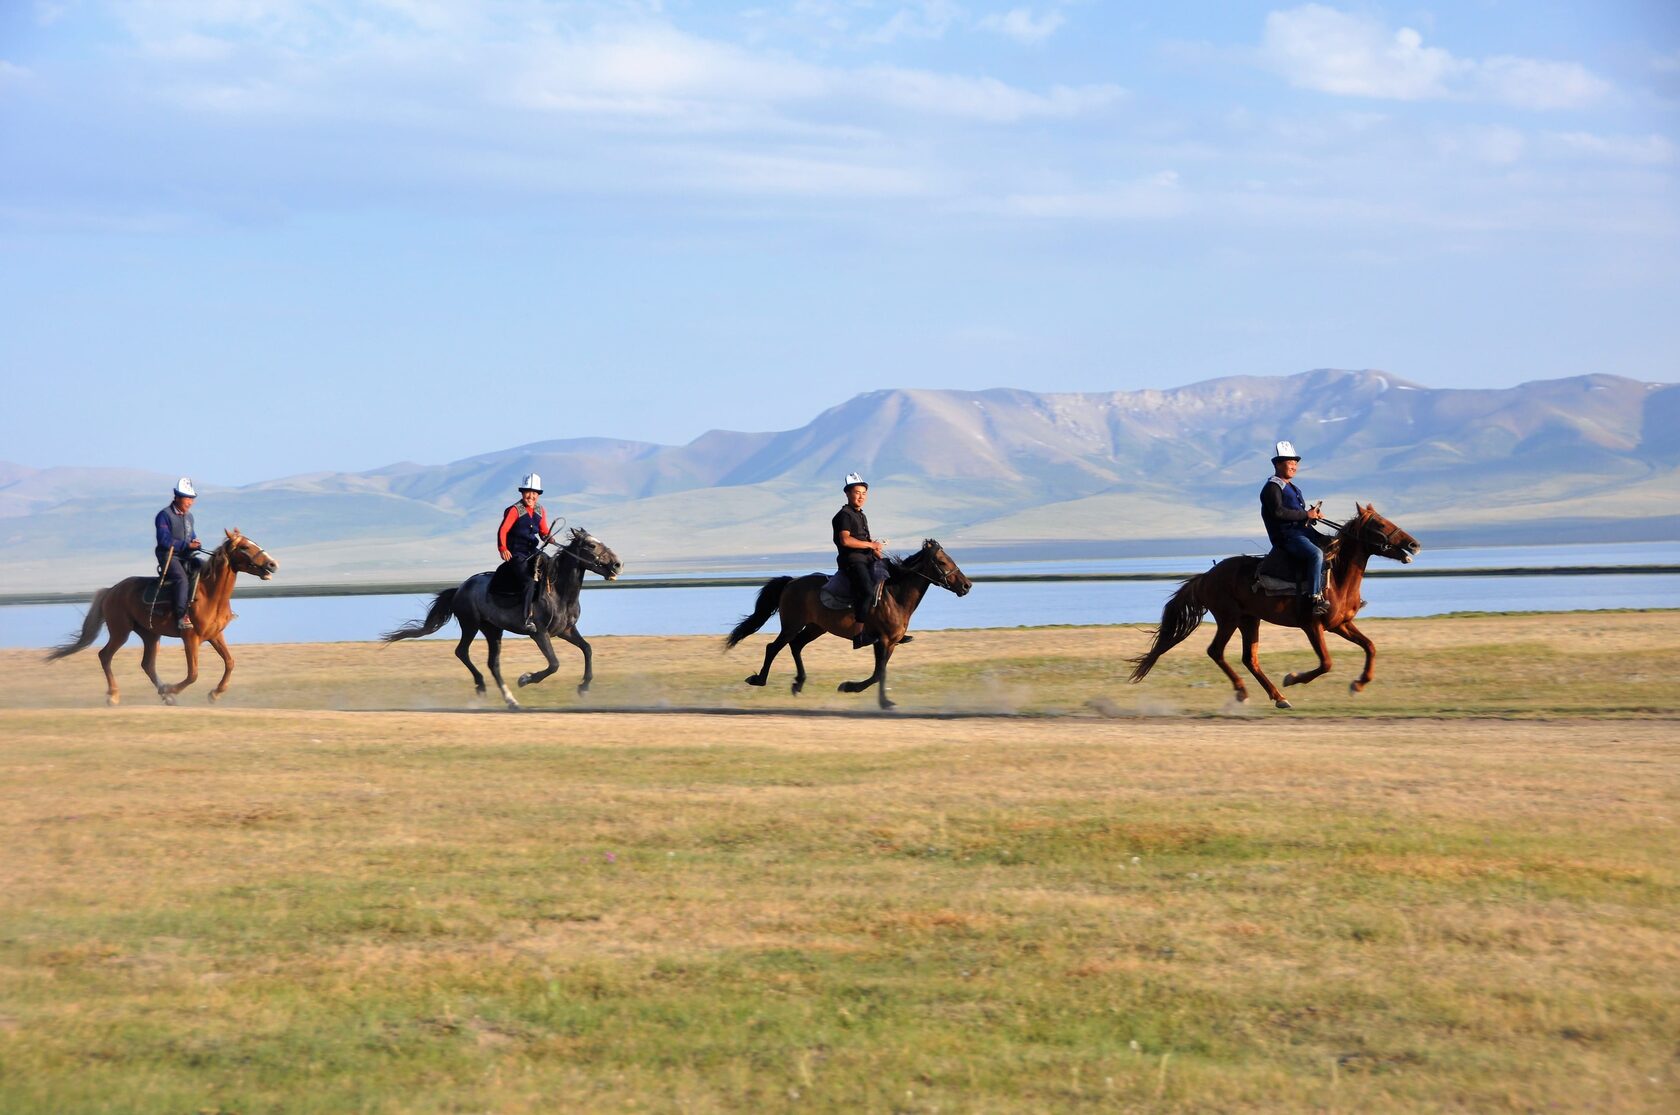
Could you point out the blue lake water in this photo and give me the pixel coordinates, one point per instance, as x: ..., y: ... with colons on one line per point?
x: 712, y: 611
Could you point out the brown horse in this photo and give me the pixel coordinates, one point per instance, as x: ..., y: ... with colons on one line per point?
x: 1227, y: 590
x: 122, y: 610
x: 804, y: 618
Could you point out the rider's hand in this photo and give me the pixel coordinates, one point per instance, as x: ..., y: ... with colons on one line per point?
x: 506, y: 554
x: 1314, y: 514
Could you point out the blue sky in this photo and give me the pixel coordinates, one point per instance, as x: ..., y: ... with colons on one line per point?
x: 343, y: 235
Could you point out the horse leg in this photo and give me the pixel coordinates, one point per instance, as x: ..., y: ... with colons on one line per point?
x: 1251, y: 658
x: 493, y: 637
x: 1315, y: 636
x: 119, y: 635
x: 882, y: 652
x: 572, y: 636
x: 546, y: 645
x: 220, y: 644
x: 799, y: 642
x: 1216, y: 651
x: 1357, y: 637
x: 770, y: 653
x: 148, y: 662
x: 189, y: 643
x: 467, y: 633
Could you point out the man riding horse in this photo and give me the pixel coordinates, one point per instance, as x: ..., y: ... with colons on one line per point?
x: 178, y: 555
x: 523, y: 531
x: 858, y: 554
x: 1288, y: 522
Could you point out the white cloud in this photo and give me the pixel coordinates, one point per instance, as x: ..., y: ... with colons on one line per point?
x: 1526, y: 83
x: 1494, y: 146
x: 1023, y: 26
x: 1649, y: 150
x: 983, y: 99
x: 1330, y: 51
x: 930, y: 19
x: 1156, y: 197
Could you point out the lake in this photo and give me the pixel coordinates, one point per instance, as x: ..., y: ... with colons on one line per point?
x: 712, y: 611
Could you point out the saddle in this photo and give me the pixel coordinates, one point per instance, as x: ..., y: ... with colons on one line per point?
x: 836, y: 592
x: 153, y: 592
x: 507, y: 583
x: 1276, y: 574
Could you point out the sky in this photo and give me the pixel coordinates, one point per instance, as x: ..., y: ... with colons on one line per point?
x: 244, y: 239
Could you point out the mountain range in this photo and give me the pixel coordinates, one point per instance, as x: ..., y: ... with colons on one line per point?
x: 996, y: 472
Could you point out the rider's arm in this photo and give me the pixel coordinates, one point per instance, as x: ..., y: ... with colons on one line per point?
x: 542, y: 524
x: 847, y: 542
x: 165, y: 537
x: 508, y: 520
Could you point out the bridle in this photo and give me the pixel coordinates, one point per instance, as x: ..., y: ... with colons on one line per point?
x: 944, y: 580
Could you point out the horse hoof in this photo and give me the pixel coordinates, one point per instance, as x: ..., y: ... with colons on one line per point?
x: 1356, y: 687
x: 583, y: 689
x: 167, y: 698
x: 513, y: 705
x: 755, y: 680
x: 1288, y: 679
x: 797, y: 687
x: 845, y: 687
x: 112, y: 700
x: 524, y: 680
x: 1281, y: 703
x: 889, y: 704
x: 479, y: 689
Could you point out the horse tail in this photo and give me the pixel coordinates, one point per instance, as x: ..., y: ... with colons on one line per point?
x: 1178, y: 619
x: 91, y: 623
x: 443, y: 606
x: 769, y: 599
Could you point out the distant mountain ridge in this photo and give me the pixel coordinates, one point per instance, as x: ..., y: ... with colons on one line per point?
x: 985, y: 467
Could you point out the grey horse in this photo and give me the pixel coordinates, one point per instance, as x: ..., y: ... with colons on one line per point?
x: 472, y: 603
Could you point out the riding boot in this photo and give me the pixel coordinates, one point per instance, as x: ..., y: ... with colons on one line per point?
x: 866, y: 636
x: 1321, y: 606
x: 530, y: 601
x: 184, y: 622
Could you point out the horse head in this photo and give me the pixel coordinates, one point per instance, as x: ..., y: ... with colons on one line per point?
x: 593, y: 554
x: 1382, y: 537
x: 942, y: 571
x: 245, y: 556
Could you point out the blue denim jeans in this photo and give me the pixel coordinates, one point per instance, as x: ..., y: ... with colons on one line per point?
x: 1307, y: 556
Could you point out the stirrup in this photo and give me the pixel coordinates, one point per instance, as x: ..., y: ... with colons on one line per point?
x: 1321, y: 606
x: 864, y: 638
x: 184, y: 623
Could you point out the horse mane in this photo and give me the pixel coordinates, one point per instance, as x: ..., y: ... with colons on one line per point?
x: 1339, y: 543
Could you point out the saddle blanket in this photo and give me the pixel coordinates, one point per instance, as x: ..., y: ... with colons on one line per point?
x: 509, y: 580
x: 154, y: 593
x: 836, y: 592
x: 1274, y: 575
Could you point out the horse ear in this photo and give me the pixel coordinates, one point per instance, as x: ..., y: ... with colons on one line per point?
x: 232, y: 534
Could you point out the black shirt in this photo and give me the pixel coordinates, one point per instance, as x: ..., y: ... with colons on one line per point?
x: 855, y: 523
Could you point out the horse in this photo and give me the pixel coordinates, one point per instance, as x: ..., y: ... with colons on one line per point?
x: 560, y: 578
x: 1227, y: 591
x: 804, y: 618
x: 123, y: 612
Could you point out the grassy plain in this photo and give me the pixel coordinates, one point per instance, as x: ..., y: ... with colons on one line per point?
x: 1456, y: 891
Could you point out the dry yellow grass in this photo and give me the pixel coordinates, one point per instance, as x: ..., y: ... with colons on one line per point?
x: 276, y: 907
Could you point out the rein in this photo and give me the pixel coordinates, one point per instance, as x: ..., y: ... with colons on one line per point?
x: 943, y: 582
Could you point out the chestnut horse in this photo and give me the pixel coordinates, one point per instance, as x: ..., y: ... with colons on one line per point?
x: 804, y: 618
x: 123, y: 612
x: 1227, y: 590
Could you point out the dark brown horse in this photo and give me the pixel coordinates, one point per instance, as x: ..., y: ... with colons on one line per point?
x: 123, y: 612
x: 1227, y: 590
x: 804, y: 618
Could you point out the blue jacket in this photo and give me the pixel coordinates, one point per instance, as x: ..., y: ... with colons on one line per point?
x: 175, y: 531
x: 1283, y: 509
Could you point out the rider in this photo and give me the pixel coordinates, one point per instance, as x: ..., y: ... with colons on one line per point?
x: 1287, y: 517
x: 524, y: 529
x: 177, y: 549
x: 858, y: 553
